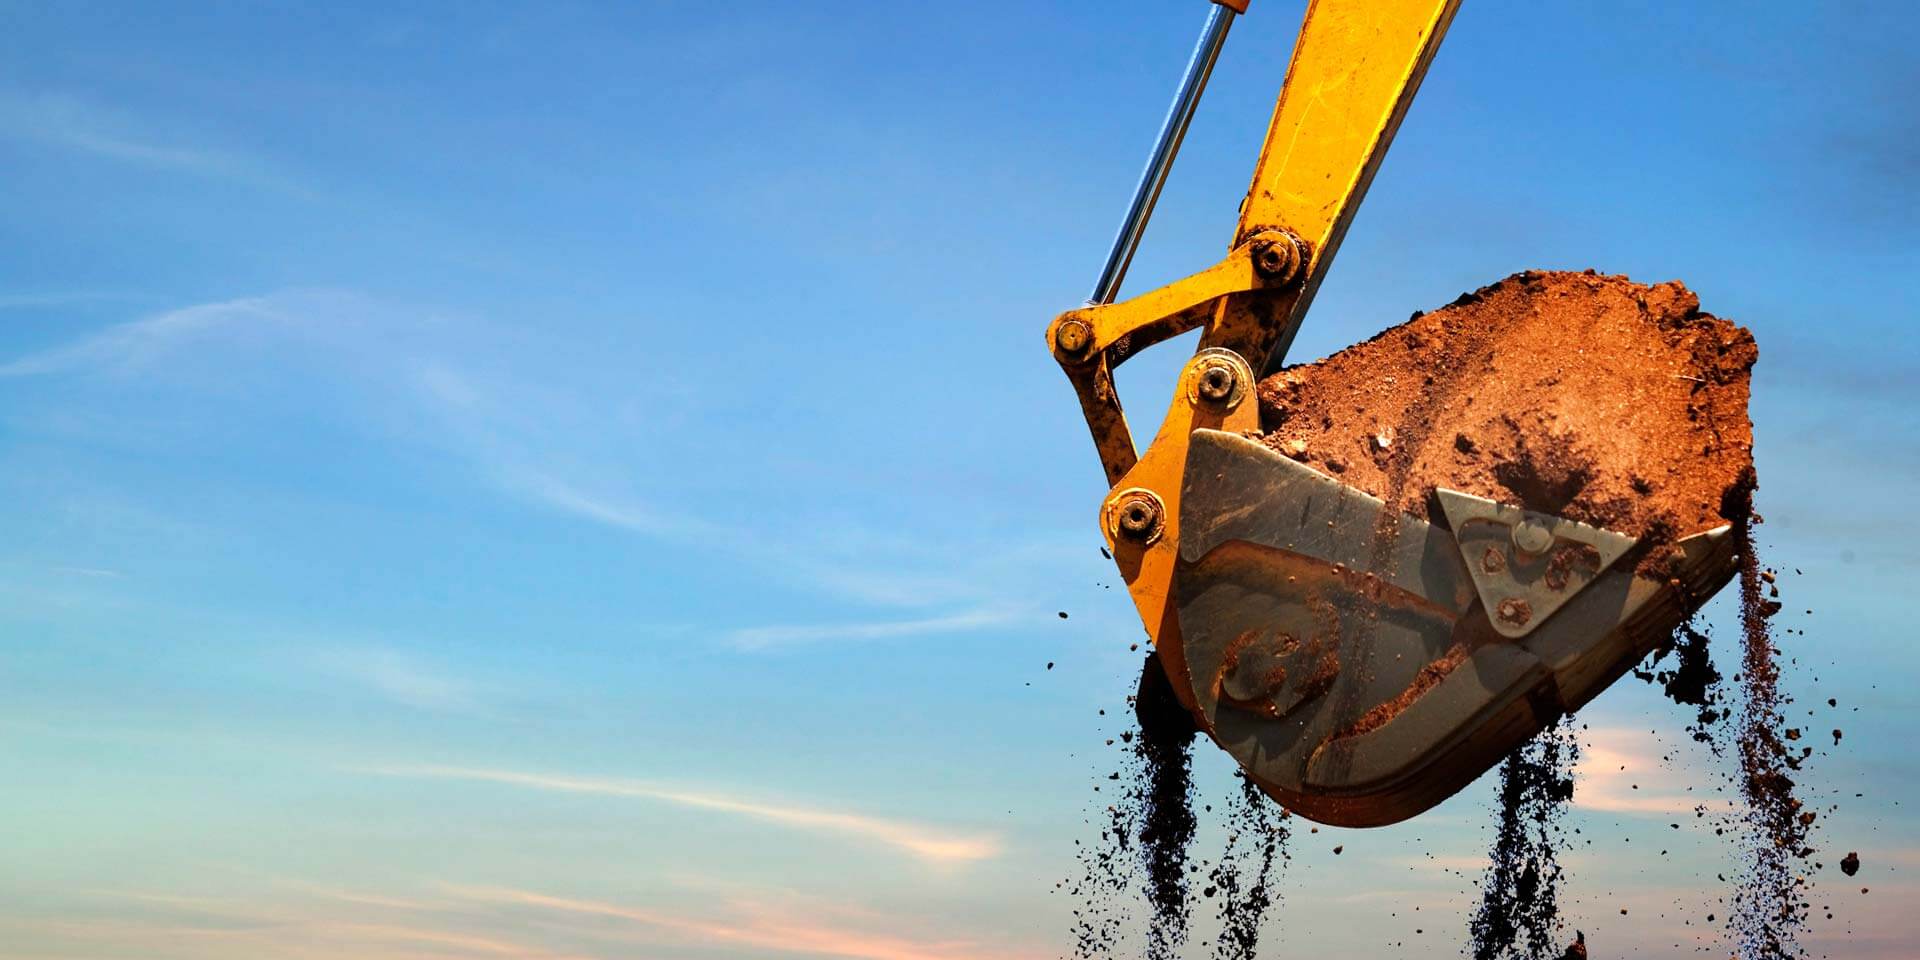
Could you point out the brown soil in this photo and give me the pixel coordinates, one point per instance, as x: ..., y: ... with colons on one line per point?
x: 1585, y: 396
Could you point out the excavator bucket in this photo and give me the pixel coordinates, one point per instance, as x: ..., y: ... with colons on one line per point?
x: 1362, y: 664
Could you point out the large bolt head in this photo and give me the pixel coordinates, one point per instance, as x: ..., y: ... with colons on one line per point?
x: 1217, y: 377
x: 1073, y: 337
x: 1277, y: 256
x: 1532, y: 537
x: 1216, y: 381
x: 1137, y: 515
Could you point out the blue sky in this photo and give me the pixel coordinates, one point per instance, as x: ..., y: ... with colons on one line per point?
x: 583, y: 480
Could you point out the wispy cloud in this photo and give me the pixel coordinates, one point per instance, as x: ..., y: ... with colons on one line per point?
x: 759, y: 927
x: 491, y: 921
x: 138, y: 342
x: 239, y: 929
x: 1618, y: 774
x: 396, y: 675
x: 777, y: 635
x: 927, y: 843
x: 487, y: 419
x: 72, y: 123
x: 560, y: 440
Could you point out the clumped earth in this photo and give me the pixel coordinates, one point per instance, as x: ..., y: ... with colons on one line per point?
x: 1692, y: 680
x: 1585, y: 396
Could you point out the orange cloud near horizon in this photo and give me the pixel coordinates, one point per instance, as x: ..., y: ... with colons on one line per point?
x: 922, y: 841
x: 757, y: 927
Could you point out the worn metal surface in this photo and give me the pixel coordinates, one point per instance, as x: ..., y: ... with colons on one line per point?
x: 1344, y: 655
x: 1360, y: 665
x: 1526, y: 565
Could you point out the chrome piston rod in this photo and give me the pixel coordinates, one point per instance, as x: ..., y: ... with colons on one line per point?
x: 1212, y: 37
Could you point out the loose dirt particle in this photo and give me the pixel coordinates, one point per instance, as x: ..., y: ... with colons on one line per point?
x: 1256, y: 842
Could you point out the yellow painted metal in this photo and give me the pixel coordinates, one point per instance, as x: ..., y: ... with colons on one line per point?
x: 1354, y: 71
x: 1148, y: 569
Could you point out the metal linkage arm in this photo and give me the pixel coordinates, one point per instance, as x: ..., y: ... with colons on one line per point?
x: 1354, y: 71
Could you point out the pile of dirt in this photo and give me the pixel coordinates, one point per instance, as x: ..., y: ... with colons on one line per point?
x: 1585, y: 396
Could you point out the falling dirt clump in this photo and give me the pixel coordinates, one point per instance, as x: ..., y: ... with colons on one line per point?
x: 1692, y: 680
x: 1147, y: 830
x: 1771, y: 904
x: 1585, y: 396
x: 1519, y: 913
x: 1165, y: 786
x: 1245, y: 878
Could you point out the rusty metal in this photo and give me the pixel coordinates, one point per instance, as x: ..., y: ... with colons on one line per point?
x: 1278, y: 254
x: 1515, y: 611
x: 1221, y: 378
x: 1544, y: 561
x: 1342, y: 654
x: 1137, y: 515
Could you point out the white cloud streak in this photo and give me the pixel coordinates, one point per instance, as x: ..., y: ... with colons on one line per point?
x: 138, y: 342
x: 780, y: 635
x: 71, y: 123
x: 549, y: 443
x: 923, y: 842
x: 396, y: 675
x: 756, y: 927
